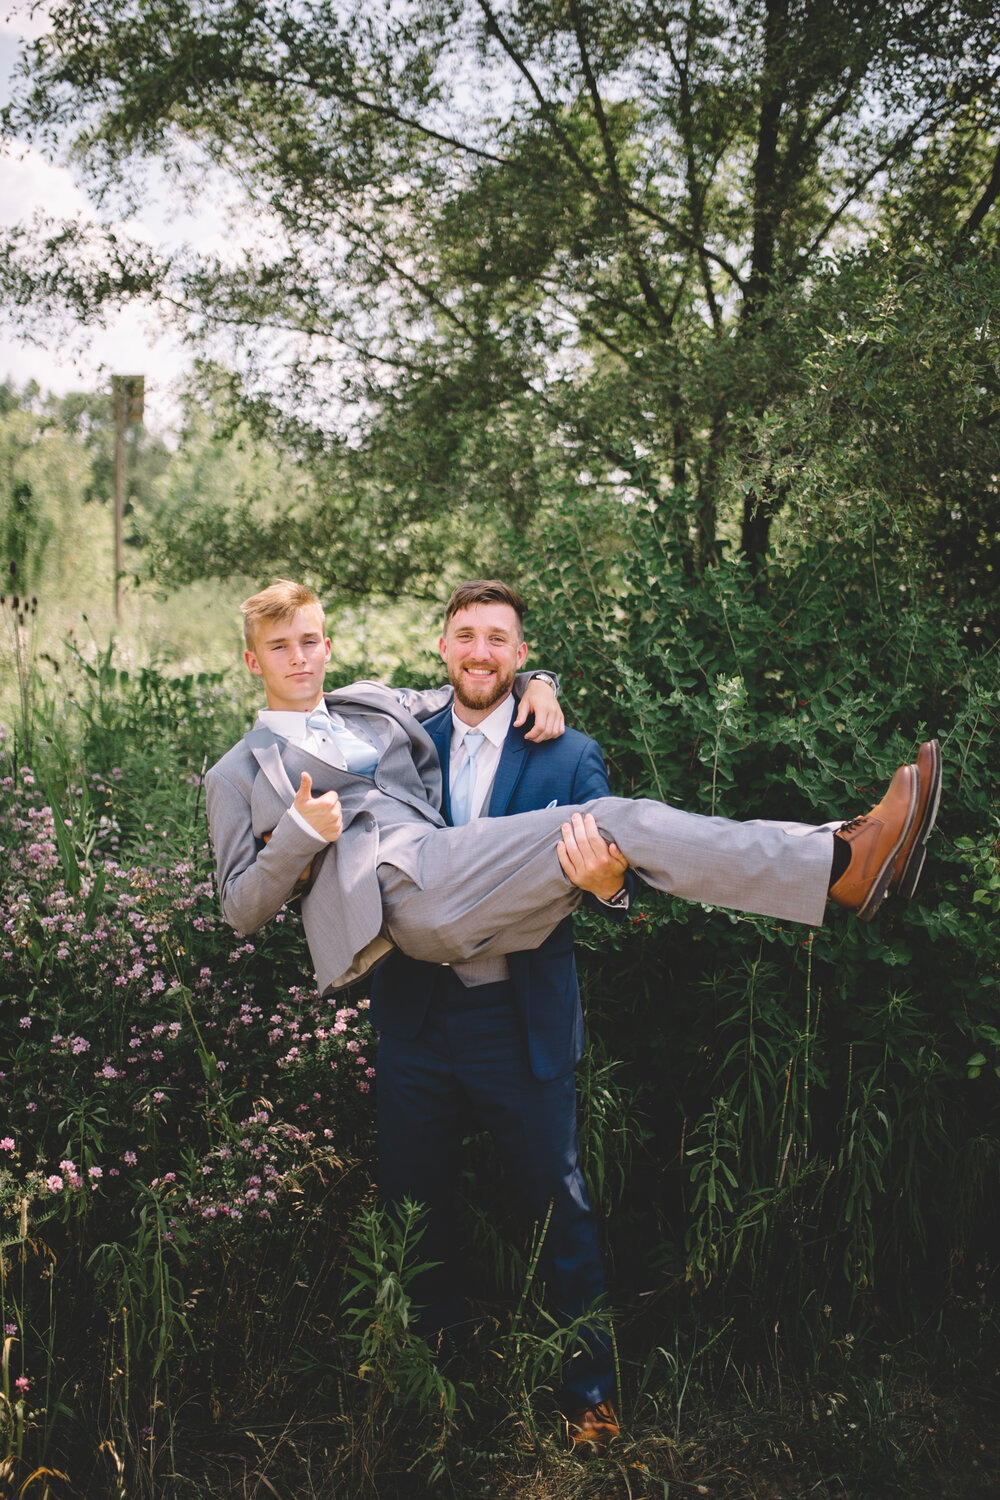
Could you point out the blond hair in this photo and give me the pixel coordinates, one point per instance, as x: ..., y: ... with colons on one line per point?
x: 277, y: 604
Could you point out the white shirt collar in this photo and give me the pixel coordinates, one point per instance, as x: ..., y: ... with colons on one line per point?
x: 288, y: 722
x: 494, y: 726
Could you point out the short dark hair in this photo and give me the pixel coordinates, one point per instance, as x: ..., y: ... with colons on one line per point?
x: 485, y: 591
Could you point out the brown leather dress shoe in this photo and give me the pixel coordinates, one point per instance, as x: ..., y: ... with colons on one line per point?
x: 909, y: 861
x: 875, y: 839
x: 592, y: 1428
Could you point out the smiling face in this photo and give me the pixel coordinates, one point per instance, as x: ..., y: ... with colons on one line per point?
x: 291, y: 657
x: 482, y: 650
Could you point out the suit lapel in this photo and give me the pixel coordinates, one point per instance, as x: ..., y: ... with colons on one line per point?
x: 283, y: 763
x: 268, y: 757
x: 280, y: 761
x: 514, y: 758
x: 439, y: 730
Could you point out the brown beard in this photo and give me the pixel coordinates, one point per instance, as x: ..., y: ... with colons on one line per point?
x: 500, y: 689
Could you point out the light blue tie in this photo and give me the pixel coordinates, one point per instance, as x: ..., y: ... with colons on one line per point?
x: 465, y: 782
x: 359, y: 755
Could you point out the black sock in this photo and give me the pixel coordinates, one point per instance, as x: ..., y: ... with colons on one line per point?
x: 841, y: 858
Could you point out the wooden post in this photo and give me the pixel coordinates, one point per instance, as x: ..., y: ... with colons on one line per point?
x: 120, y: 404
x: 128, y: 393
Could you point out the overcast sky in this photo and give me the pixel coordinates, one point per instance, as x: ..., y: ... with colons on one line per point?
x: 133, y: 344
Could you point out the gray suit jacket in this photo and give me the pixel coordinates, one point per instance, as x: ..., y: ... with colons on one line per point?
x: 248, y: 792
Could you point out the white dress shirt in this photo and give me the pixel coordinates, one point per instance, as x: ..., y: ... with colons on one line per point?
x: 480, y: 971
x: 495, y: 727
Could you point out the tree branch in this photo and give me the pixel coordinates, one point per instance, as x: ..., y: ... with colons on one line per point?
x: 987, y: 199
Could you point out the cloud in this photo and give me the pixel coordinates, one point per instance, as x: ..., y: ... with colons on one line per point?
x: 29, y: 183
x: 25, y: 18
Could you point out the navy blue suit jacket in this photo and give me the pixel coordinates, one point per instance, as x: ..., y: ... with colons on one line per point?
x: 563, y: 771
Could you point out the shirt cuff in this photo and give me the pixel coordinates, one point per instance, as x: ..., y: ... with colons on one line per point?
x: 300, y: 822
x: 621, y: 901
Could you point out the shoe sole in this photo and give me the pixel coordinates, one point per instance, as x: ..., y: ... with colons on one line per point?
x: 880, y: 885
x: 910, y: 873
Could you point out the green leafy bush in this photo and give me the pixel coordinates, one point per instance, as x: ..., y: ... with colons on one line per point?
x: 781, y: 1125
x: 825, y: 1115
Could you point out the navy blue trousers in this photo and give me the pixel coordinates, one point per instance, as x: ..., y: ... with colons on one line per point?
x: 469, y: 1056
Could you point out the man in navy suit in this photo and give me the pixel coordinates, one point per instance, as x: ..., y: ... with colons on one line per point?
x: 501, y: 1036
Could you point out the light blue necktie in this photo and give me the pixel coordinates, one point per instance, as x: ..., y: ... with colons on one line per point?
x: 465, y: 782
x: 359, y: 755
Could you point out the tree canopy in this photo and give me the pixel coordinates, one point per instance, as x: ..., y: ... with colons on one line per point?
x: 488, y: 254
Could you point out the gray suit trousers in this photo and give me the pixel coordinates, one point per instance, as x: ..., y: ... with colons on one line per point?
x: 496, y: 886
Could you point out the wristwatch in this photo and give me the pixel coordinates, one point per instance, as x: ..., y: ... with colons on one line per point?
x: 544, y: 677
x: 619, y: 901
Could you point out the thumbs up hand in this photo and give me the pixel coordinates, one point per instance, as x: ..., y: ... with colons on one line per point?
x: 324, y: 814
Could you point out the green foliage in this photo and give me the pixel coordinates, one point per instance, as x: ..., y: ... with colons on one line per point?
x: 56, y: 462
x: 504, y: 252
x: 166, y: 1085
x: 401, y: 1407
x: 189, y: 509
x: 826, y: 1099
x: 779, y: 1127
x: 784, y: 1130
x: 888, y: 438
x: 56, y: 458
x: 147, y: 721
x: 611, y: 1126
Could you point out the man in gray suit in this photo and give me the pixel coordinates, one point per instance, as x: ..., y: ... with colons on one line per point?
x: 385, y: 871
